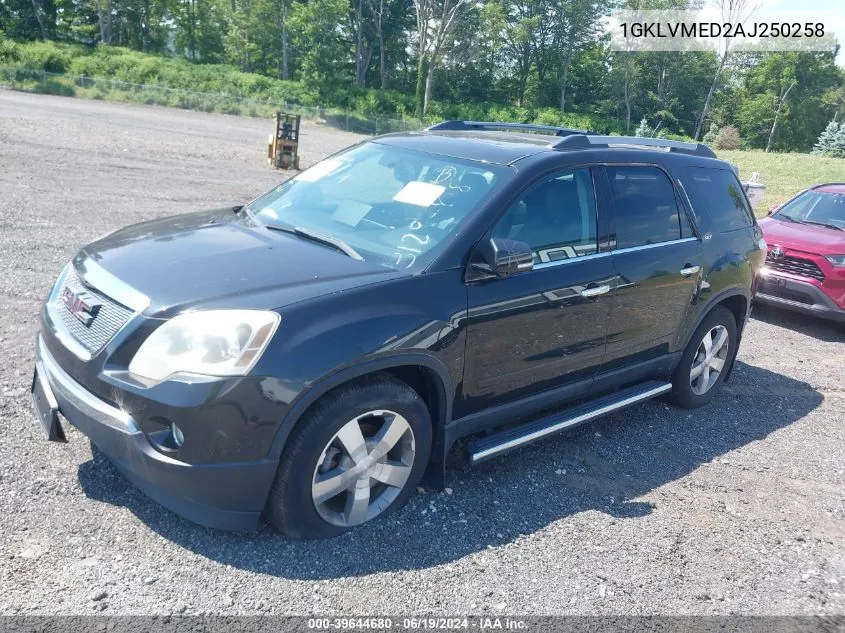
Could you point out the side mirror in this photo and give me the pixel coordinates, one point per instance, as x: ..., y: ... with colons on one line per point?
x: 773, y: 209
x: 502, y: 257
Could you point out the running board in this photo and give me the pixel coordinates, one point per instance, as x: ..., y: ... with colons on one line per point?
x: 497, y: 444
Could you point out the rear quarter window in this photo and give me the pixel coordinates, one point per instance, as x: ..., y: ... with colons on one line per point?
x: 718, y: 195
x: 645, y: 209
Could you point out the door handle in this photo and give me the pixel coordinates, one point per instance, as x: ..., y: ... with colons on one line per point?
x: 595, y: 291
x: 690, y: 270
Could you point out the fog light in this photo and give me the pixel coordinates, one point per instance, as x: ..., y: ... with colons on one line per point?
x: 178, y: 437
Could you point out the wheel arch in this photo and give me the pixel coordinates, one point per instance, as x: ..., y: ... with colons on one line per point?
x: 423, y: 373
x: 735, y: 300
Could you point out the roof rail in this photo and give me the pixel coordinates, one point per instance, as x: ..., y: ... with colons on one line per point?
x: 635, y: 142
x: 515, y: 127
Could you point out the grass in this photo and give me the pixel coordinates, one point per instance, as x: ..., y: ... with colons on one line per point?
x: 109, y: 90
x: 784, y: 174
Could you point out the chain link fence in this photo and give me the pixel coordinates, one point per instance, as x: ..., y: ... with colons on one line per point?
x: 42, y: 81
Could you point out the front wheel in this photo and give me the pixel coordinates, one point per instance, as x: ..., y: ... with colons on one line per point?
x: 356, y: 455
x: 706, y: 360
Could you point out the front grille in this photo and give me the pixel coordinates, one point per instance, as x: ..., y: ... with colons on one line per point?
x: 111, y: 317
x: 795, y: 266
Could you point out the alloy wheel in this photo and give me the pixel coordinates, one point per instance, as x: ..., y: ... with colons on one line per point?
x: 709, y: 360
x: 363, y: 468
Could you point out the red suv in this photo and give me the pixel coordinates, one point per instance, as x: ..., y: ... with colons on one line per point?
x: 805, y: 264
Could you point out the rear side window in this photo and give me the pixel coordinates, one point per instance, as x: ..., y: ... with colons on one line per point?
x: 646, y: 210
x: 718, y: 194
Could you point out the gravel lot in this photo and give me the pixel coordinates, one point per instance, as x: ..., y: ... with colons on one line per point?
x: 735, y: 508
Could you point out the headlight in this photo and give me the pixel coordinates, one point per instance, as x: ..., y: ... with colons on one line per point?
x: 837, y: 260
x: 213, y: 342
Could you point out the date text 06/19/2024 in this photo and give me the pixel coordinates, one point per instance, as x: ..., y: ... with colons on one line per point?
x: 480, y: 623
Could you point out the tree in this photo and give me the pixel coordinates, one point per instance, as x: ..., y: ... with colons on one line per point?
x: 363, y: 47
x: 838, y: 145
x: 580, y: 24
x: 511, y: 60
x: 712, y: 134
x: 318, y: 35
x: 826, y: 142
x: 731, y: 12
x: 781, y: 104
x: 521, y: 36
x: 377, y: 9
x: 435, y: 19
x: 282, y: 15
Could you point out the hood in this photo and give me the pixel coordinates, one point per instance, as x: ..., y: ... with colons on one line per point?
x: 222, y: 259
x: 807, y: 238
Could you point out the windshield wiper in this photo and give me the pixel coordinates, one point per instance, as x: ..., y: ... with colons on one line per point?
x: 830, y: 226
x: 783, y: 216
x: 335, y: 243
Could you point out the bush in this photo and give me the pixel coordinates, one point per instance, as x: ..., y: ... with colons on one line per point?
x: 8, y: 52
x: 728, y: 138
x: 712, y: 135
x: 677, y: 137
x: 230, y: 108
x: 44, y: 56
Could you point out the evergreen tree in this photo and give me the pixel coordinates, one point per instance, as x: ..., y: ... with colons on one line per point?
x: 643, y: 129
x: 712, y: 134
x: 837, y: 147
x: 824, y: 145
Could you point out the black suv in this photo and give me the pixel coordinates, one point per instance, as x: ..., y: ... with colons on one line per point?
x: 314, y: 354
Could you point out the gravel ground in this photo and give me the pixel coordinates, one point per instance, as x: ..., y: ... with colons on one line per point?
x: 735, y: 508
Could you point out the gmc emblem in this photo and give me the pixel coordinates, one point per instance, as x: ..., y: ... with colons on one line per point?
x: 81, y: 305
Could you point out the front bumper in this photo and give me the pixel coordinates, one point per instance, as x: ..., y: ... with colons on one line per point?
x: 798, y: 296
x: 229, y: 496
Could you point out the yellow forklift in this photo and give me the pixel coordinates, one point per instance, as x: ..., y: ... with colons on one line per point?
x: 283, y: 145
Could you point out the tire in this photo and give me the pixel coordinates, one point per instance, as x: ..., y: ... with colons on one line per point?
x: 690, y: 392
x: 324, y: 455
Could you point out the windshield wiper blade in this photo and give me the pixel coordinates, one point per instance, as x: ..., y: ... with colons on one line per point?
x: 830, y: 226
x: 328, y: 240
x: 338, y: 244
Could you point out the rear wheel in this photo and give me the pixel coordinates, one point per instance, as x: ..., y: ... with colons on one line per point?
x: 706, y: 360
x: 356, y: 455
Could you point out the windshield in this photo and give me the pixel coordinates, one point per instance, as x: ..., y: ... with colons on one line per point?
x: 816, y: 207
x: 388, y: 204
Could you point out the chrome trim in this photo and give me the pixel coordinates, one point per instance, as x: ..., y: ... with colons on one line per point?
x: 60, y: 331
x: 584, y: 417
x: 103, y: 281
x: 45, y: 385
x: 644, y: 247
x: 690, y: 212
x: 61, y: 383
x: 639, y: 141
x: 570, y: 260
x: 594, y: 292
x: 98, y: 277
